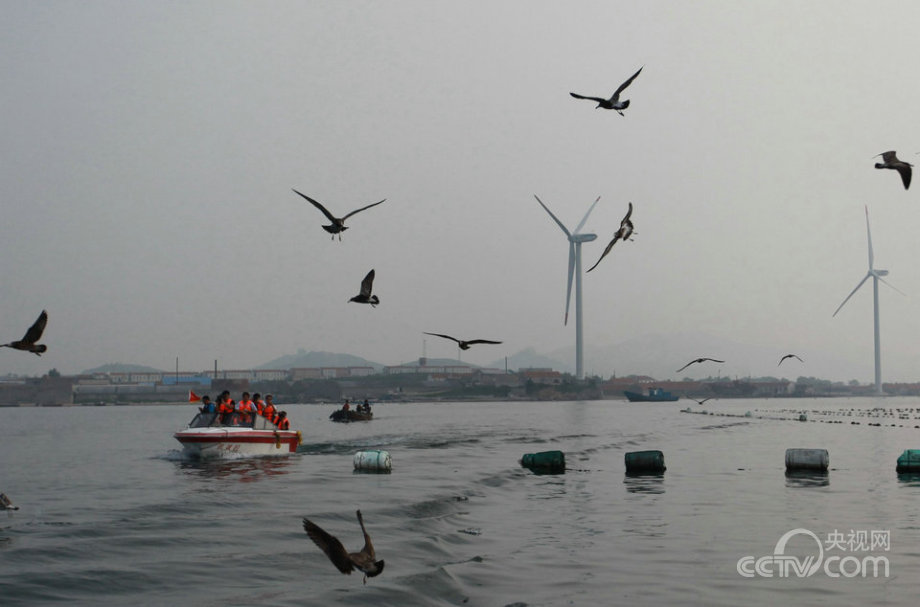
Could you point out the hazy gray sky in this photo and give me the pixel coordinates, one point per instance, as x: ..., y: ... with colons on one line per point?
x: 150, y: 149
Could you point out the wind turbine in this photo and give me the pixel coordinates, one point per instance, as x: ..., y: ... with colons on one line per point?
x: 575, y: 240
x: 876, y: 276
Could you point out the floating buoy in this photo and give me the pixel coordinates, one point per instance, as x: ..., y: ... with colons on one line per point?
x: 909, y: 461
x: 803, y: 417
x: 807, y: 459
x: 643, y: 462
x: 544, y: 460
x: 373, y: 461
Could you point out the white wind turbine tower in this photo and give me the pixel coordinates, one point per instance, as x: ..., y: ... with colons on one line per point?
x: 876, y: 276
x: 575, y: 240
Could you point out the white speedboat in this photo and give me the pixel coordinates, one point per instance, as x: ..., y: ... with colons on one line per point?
x: 212, y: 435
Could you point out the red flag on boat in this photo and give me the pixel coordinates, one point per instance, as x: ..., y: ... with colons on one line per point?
x: 192, y: 397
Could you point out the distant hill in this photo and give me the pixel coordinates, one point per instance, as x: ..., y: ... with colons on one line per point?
x: 121, y: 368
x: 304, y: 359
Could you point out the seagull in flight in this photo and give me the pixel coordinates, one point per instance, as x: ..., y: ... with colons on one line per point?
x: 698, y: 360
x: 464, y: 345
x: 788, y: 356
x: 699, y: 402
x: 27, y: 343
x: 345, y: 561
x: 624, y: 233
x: 365, y: 296
x: 338, y: 223
x: 614, y: 102
x: 891, y: 162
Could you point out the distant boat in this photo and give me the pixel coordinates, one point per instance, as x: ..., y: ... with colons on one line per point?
x: 340, y: 415
x: 655, y: 395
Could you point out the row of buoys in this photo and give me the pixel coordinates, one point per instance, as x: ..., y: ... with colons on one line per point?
x: 640, y: 462
x: 652, y: 462
x: 637, y: 462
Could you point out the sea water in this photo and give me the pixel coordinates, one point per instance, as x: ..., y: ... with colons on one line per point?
x: 112, y: 514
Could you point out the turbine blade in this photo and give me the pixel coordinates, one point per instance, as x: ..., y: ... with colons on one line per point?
x: 889, y: 284
x: 568, y: 289
x: 865, y: 278
x: 869, y: 234
x: 556, y: 219
x: 585, y: 218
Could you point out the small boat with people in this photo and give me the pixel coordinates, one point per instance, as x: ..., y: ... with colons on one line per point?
x: 340, y: 415
x: 211, y: 435
x: 655, y: 395
x: 361, y: 413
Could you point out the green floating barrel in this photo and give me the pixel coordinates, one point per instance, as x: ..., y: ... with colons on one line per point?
x: 544, y: 461
x: 373, y: 461
x: 909, y: 461
x: 645, y: 462
x: 807, y: 459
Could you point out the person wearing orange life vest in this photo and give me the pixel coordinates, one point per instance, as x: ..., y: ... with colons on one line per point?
x: 257, y: 403
x: 269, y: 411
x: 245, y: 408
x: 283, y: 422
x: 224, y: 406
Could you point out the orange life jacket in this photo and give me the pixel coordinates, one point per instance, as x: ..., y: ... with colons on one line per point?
x: 225, y: 407
x: 269, y: 411
x: 284, y: 424
x: 260, y: 406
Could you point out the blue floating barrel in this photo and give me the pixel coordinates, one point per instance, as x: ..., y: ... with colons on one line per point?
x: 544, y: 460
x: 909, y: 461
x: 373, y: 461
x: 807, y: 459
x: 643, y: 462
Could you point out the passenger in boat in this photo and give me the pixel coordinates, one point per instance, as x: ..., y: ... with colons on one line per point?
x: 283, y: 422
x: 257, y: 403
x: 225, y: 406
x: 245, y: 408
x: 346, y: 406
x: 366, y: 407
x: 269, y: 411
x: 206, y: 405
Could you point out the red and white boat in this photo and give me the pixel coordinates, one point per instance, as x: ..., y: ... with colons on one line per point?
x: 208, y: 436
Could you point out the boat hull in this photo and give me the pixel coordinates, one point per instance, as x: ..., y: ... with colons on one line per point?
x: 229, y: 442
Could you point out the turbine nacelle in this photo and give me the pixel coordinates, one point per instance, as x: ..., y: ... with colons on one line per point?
x: 582, y: 237
x: 880, y: 272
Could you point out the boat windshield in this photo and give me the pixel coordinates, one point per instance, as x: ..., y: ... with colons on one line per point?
x: 207, y: 420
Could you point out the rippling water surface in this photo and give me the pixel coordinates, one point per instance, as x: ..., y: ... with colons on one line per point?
x: 111, y: 514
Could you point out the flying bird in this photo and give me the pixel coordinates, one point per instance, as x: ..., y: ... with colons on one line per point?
x: 464, y: 344
x: 27, y: 343
x: 614, y: 102
x: 624, y: 233
x: 365, y: 296
x: 338, y: 223
x: 699, y: 402
x: 698, y: 360
x: 345, y: 561
x: 891, y: 162
x: 788, y: 356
